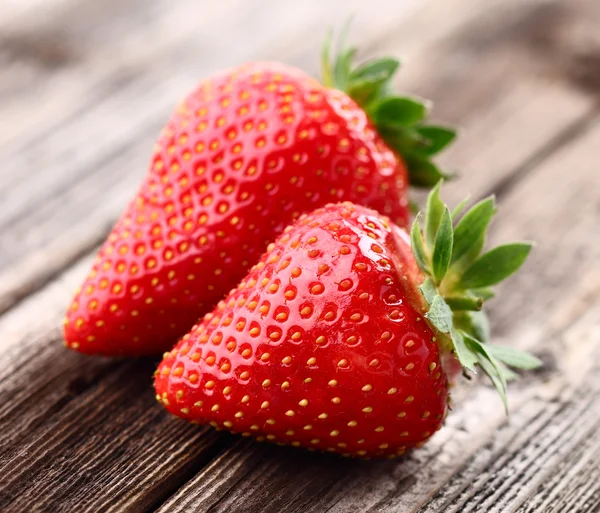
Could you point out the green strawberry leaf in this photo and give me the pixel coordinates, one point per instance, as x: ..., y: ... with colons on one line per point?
x: 433, y: 216
x: 489, y: 365
x: 439, y: 314
x: 472, y: 227
x: 508, y: 374
x: 459, y: 208
x: 442, y: 250
x: 429, y: 290
x: 515, y: 358
x: 451, y: 258
x: 399, y: 111
x: 491, y: 368
x: 408, y: 142
x: 363, y: 91
x: 400, y: 120
x: 344, y: 56
x: 475, y: 324
x: 438, y: 138
x: 423, y: 172
x: 326, y: 72
x: 484, y: 293
x: 405, y: 140
x: 416, y: 241
x: 470, y: 256
x: 465, y: 355
x: 495, y: 265
x: 342, y: 67
x: 375, y: 71
x: 464, y: 303
x: 479, y: 325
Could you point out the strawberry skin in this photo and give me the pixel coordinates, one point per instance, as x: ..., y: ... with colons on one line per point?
x: 244, y: 155
x: 322, y: 345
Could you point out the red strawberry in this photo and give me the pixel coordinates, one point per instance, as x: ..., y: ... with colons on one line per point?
x: 245, y: 154
x: 336, y: 340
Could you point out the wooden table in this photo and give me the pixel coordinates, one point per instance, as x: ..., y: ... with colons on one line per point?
x: 84, y: 88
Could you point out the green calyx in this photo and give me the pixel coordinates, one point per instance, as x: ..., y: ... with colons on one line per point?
x: 459, y: 277
x: 400, y: 120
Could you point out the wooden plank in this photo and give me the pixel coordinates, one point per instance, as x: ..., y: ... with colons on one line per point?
x: 101, y: 49
x: 52, y: 391
x: 504, y: 78
x: 529, y: 316
x: 469, y: 423
x: 161, y: 51
x: 545, y: 443
x: 84, y: 433
x: 64, y: 408
x: 536, y: 464
x: 52, y: 217
x: 61, y: 154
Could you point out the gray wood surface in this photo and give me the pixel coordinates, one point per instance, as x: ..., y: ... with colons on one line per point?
x: 84, y: 88
x: 479, y: 455
x: 92, y: 124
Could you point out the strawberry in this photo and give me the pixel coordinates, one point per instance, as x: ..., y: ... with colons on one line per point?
x: 342, y: 337
x: 245, y: 154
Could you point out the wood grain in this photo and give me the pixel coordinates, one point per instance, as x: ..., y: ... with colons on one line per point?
x: 528, y: 462
x: 85, y: 434
x: 57, y: 163
x: 82, y: 433
x: 129, y: 73
x: 550, y: 415
x: 528, y: 465
x: 296, y: 477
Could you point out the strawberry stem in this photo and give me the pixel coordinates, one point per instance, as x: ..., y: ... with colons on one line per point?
x: 452, y: 259
x: 461, y: 303
x: 400, y: 120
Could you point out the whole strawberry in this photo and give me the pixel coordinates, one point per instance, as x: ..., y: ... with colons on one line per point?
x: 245, y: 154
x: 337, y: 340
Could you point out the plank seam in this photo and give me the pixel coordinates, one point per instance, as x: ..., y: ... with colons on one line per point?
x: 562, y: 139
